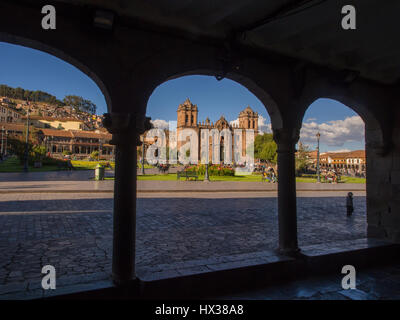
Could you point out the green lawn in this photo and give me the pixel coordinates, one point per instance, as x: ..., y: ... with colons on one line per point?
x: 13, y: 165
x: 249, y: 178
x: 89, y: 165
x: 172, y: 176
x: 343, y: 179
x: 353, y: 180
x: 146, y: 166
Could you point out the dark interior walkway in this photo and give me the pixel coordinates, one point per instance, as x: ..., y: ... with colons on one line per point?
x: 372, y: 284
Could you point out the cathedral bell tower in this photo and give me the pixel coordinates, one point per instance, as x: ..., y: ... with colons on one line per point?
x: 248, y: 119
x: 187, y: 114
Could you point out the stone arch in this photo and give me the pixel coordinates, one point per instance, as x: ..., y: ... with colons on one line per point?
x: 264, y: 81
x: 365, y: 115
x: 377, y: 135
x: 34, y: 44
x: 268, y: 102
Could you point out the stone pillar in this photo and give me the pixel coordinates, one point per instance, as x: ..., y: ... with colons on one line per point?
x: 380, y: 162
x: 286, y: 140
x: 125, y: 130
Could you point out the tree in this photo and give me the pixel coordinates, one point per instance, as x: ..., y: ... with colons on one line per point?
x: 302, y: 158
x: 80, y: 104
x: 22, y: 94
x: 18, y: 146
x: 94, y: 155
x: 67, y: 153
x: 38, y: 152
x: 265, y: 147
x: 19, y: 93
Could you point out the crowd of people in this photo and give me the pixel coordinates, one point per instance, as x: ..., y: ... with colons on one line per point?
x: 334, y: 175
x: 266, y: 170
x: 347, y: 172
x: 330, y: 176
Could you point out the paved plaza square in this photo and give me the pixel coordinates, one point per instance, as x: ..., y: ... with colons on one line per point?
x: 73, y: 232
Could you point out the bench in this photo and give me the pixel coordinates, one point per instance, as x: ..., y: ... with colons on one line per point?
x: 186, y: 174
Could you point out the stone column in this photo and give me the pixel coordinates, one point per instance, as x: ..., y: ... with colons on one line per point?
x: 286, y: 140
x: 380, y: 157
x: 125, y: 130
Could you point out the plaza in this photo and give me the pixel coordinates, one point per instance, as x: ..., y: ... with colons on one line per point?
x: 73, y: 231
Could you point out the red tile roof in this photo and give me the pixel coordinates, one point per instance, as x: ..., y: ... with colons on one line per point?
x: 56, y: 133
x: 12, y: 126
x: 52, y: 119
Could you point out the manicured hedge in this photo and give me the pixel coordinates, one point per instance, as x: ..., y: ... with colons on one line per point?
x: 213, y: 170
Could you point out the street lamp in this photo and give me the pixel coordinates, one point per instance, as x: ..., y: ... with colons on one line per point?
x: 5, y: 145
x: 318, y: 177
x: 206, y: 177
x: 26, y: 143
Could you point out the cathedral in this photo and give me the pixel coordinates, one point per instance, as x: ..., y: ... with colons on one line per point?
x: 187, y: 117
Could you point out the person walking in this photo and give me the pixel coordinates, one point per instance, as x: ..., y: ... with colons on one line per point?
x: 265, y: 176
x: 272, y: 174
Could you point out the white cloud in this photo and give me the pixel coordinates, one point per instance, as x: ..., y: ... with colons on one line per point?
x: 234, y: 122
x: 263, y: 126
x: 160, y: 124
x: 311, y: 119
x: 334, y: 133
x: 340, y: 150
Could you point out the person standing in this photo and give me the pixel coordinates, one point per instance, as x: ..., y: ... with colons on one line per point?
x: 349, y: 204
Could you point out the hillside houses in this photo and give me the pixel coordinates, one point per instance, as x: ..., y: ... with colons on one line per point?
x: 60, y: 128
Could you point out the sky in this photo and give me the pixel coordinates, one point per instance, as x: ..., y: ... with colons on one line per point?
x: 340, y: 127
x: 36, y: 70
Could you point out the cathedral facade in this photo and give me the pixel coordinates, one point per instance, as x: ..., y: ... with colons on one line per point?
x: 187, y: 118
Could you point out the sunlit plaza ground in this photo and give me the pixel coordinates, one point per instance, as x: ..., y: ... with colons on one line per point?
x: 73, y: 232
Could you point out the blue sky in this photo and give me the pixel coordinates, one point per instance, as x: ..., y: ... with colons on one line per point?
x: 340, y: 127
x: 36, y: 70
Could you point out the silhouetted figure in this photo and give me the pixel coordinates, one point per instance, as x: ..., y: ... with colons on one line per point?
x: 349, y: 204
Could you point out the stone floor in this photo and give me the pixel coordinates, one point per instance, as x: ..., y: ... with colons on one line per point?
x: 73, y: 232
x: 371, y: 284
